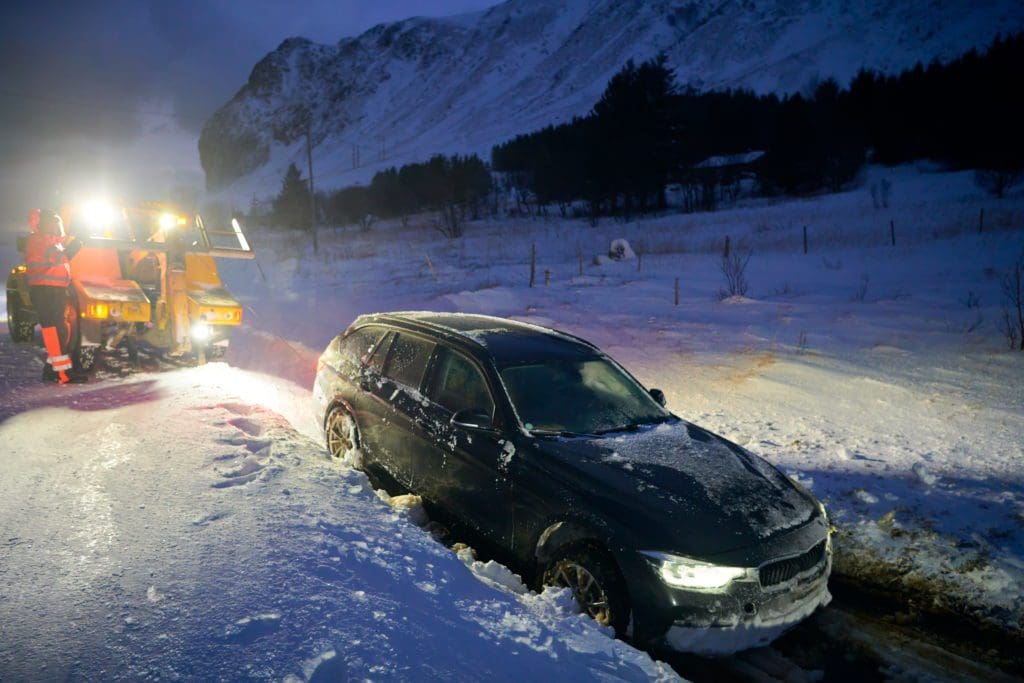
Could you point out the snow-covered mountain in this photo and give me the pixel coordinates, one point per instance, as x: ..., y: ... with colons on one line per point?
x: 403, y: 91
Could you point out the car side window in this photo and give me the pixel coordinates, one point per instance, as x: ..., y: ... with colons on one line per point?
x: 407, y: 359
x: 374, y: 358
x: 457, y: 384
x: 357, y: 348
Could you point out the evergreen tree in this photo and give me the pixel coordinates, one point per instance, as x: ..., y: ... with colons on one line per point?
x: 292, y: 205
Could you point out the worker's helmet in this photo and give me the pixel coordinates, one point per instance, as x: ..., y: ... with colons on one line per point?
x: 33, y: 220
x: 50, y: 223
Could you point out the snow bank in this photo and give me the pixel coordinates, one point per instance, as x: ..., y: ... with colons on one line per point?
x: 178, y: 527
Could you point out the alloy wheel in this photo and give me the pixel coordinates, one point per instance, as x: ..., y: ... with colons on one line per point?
x: 340, y: 434
x: 589, y: 594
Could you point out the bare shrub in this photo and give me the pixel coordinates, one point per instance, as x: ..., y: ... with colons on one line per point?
x: 997, y: 181
x: 366, y: 222
x: 734, y: 268
x: 451, y: 221
x: 1013, y: 305
x: 880, y: 192
x: 862, y: 288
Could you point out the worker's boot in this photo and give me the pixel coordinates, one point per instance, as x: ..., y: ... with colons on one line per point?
x: 76, y: 376
x: 49, y: 375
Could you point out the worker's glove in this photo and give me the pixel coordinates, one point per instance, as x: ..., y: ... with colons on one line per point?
x: 72, y: 245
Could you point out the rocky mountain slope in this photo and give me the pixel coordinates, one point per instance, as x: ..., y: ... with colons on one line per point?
x: 403, y: 91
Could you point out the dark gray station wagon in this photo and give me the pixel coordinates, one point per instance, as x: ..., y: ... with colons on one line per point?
x: 553, y: 459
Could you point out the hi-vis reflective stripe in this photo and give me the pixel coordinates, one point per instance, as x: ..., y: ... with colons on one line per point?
x: 60, y: 362
x: 48, y: 280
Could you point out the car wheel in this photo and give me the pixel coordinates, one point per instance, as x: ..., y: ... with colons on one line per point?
x: 21, y: 330
x: 342, y: 436
x: 596, y: 583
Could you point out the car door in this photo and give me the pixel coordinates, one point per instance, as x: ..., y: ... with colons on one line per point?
x: 466, y: 472
x: 401, y: 437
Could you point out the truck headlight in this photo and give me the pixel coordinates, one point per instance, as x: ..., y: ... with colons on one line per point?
x: 98, y: 213
x: 201, y: 332
x: 683, y: 572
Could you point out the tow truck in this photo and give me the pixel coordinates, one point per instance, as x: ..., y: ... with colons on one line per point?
x: 145, y: 272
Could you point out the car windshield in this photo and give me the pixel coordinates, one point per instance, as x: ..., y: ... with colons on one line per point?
x: 578, y: 396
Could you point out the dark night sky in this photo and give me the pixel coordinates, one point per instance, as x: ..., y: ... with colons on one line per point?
x: 109, y: 96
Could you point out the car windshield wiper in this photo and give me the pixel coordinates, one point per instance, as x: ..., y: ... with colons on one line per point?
x: 557, y: 432
x: 633, y: 426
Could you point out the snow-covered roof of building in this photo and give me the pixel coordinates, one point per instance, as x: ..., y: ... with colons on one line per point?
x: 724, y: 160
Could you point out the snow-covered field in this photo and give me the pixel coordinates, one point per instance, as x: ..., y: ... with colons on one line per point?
x: 188, y: 524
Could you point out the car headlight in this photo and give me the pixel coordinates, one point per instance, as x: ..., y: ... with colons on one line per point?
x: 683, y: 572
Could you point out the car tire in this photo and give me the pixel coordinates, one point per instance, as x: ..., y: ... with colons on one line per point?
x: 21, y: 329
x: 341, y: 435
x: 595, y: 581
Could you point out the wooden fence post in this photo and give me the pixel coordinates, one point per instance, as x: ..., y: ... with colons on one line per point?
x: 805, y: 239
x: 533, y: 263
x: 677, y: 292
x: 547, y: 277
x: 892, y: 232
x: 579, y: 255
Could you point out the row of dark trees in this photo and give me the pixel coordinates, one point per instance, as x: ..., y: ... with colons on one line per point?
x: 442, y: 184
x: 453, y: 186
x: 645, y: 133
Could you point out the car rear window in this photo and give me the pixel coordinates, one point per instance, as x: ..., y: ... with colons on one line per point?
x: 407, y: 359
x: 458, y: 385
x: 356, y: 349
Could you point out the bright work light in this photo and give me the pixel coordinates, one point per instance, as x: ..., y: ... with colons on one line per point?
x: 98, y: 213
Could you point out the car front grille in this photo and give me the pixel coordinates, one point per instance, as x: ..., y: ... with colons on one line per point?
x: 780, y: 571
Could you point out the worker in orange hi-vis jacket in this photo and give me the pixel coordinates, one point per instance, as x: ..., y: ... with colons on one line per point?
x: 48, y: 274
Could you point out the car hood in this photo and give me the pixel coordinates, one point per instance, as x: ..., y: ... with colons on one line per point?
x: 681, y: 488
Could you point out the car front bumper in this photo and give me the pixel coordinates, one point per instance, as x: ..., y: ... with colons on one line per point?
x: 751, y: 616
x: 741, y: 615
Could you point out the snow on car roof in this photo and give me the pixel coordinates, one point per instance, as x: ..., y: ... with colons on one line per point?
x: 503, y: 338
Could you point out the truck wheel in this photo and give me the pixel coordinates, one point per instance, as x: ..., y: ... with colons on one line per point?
x: 21, y: 329
x: 72, y: 334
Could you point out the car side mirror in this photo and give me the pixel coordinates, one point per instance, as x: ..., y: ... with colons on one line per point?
x: 659, y: 396
x: 473, y: 418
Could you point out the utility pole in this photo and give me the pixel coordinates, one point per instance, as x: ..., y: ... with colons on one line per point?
x: 312, y: 192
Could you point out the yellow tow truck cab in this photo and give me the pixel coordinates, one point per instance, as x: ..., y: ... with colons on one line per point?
x: 144, y: 272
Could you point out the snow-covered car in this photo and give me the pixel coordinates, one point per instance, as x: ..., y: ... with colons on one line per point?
x: 553, y: 459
